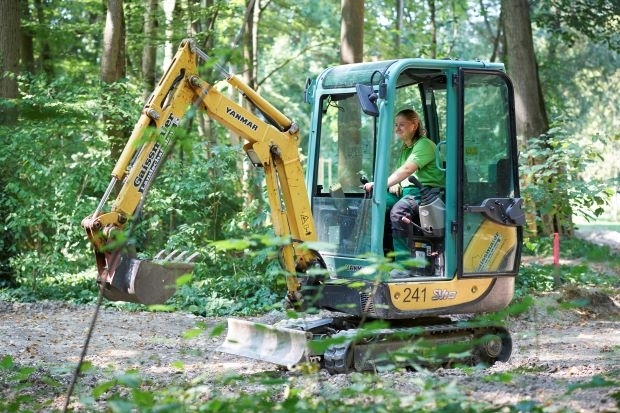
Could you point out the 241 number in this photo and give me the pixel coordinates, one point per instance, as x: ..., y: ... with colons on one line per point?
x: 416, y: 295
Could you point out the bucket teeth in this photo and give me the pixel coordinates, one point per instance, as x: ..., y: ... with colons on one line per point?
x: 176, y: 256
x: 159, y: 255
x: 192, y: 257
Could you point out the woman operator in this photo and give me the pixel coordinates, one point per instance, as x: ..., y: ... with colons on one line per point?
x: 417, y: 157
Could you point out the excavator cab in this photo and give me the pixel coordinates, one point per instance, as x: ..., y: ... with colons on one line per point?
x: 470, y: 247
x: 471, y: 252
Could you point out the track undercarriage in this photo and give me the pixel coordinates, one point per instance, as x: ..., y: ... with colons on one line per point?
x: 341, y: 345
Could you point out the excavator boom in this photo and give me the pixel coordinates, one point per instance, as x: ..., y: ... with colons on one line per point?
x: 272, y: 146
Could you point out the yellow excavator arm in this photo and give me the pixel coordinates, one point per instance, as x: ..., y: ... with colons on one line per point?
x: 274, y: 146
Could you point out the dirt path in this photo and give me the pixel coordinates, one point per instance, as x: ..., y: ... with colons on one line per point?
x: 553, y: 349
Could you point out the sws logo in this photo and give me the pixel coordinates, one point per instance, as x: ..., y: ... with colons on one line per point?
x: 439, y: 295
x: 231, y: 112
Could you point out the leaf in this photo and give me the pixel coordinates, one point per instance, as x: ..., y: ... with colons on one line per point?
x: 6, y: 363
x: 596, y: 382
x: 86, y: 366
x: 100, y: 389
x: 231, y: 244
x: 192, y: 333
x: 184, y: 279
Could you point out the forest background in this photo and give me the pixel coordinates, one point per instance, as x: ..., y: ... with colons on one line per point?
x: 75, y: 74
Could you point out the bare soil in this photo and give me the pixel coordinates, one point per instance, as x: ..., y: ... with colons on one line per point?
x: 554, y: 348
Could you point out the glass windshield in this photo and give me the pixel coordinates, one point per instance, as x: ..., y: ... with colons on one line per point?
x: 350, y: 75
x: 346, y: 146
x: 345, y: 157
x: 490, y: 247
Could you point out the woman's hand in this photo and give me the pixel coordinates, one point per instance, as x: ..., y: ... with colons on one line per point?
x: 396, y: 190
x: 368, y: 186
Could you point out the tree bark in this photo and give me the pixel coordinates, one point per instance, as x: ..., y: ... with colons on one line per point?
x: 149, y: 51
x: 9, y: 69
x: 27, y: 46
x: 169, y: 47
x: 523, y: 69
x: 531, y: 116
x: 433, y: 17
x: 113, y: 56
x: 113, y: 69
x: 349, y: 119
x: 9, y: 58
x: 400, y: 11
x: 352, y: 31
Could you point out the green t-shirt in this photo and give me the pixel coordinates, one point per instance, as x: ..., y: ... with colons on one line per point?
x: 422, y: 153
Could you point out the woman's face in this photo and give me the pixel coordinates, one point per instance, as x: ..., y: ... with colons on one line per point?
x: 405, y: 128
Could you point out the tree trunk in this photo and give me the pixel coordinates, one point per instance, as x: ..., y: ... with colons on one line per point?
x: 523, y: 69
x: 433, y: 12
x: 531, y: 116
x: 169, y: 47
x: 9, y: 59
x: 9, y: 69
x: 400, y: 11
x: 251, y: 178
x: 206, y: 124
x: 352, y: 31
x: 113, y: 69
x: 27, y: 47
x: 113, y: 57
x: 349, y: 119
x: 149, y: 50
x: 45, y: 57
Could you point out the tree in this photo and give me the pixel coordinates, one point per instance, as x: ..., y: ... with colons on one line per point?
x: 113, y: 69
x: 351, y: 51
x: 9, y: 61
x: 531, y: 117
x: 523, y: 69
x: 9, y: 58
x: 149, y: 51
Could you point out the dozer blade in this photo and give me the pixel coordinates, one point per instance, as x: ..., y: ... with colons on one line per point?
x: 277, y: 345
x: 146, y: 282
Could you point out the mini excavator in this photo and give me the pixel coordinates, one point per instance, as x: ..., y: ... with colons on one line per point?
x: 465, y: 251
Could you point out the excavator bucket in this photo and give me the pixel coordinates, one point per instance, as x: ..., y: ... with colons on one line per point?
x: 147, y: 282
x: 278, y: 345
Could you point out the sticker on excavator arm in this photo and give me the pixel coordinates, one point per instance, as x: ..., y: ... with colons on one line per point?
x: 282, y: 346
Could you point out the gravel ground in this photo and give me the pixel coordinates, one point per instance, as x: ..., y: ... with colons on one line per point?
x: 553, y: 349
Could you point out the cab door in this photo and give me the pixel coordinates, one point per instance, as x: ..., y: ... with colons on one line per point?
x: 490, y: 216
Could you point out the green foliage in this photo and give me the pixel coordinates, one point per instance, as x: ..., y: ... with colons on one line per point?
x: 539, y: 278
x: 236, y: 277
x: 26, y: 388
x: 44, y: 195
x: 596, y: 19
x: 552, y: 168
x: 78, y: 288
x: 571, y: 248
